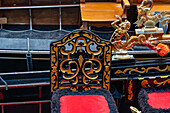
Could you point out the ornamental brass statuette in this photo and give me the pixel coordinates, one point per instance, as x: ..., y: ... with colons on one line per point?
x: 145, y: 35
x: 146, y: 21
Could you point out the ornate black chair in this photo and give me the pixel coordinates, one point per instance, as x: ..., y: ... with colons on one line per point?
x: 80, y: 74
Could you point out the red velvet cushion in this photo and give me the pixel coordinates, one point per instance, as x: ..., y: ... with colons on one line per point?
x: 84, y: 104
x: 159, y: 100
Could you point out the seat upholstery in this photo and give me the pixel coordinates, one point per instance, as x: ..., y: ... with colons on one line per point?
x: 155, y: 100
x: 61, y: 95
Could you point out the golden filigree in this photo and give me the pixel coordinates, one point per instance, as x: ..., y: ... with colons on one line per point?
x: 145, y: 83
x: 157, y: 68
x: 161, y: 83
x: 130, y: 92
x: 130, y: 70
x: 142, y: 70
x: 80, y: 60
x: 87, y: 63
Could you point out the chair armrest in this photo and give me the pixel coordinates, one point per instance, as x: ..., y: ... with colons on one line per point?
x: 126, y: 5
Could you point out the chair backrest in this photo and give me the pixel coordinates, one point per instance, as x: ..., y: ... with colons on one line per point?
x: 80, y: 61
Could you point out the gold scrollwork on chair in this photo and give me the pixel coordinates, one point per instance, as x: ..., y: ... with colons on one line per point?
x: 80, y: 59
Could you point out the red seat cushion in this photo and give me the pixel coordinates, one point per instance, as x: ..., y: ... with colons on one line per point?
x: 84, y: 104
x: 159, y: 100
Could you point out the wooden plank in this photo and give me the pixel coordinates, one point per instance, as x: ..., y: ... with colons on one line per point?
x: 17, y: 16
x: 70, y: 16
x: 94, y: 11
x: 0, y: 3
x: 15, y: 2
x: 45, y: 16
x: 70, y: 1
x: 44, y: 2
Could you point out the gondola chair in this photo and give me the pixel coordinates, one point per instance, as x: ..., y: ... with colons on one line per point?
x: 101, y: 14
x: 80, y: 74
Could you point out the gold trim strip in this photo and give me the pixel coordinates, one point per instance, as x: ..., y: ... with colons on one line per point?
x: 141, y: 78
x: 152, y: 77
x: 163, y: 76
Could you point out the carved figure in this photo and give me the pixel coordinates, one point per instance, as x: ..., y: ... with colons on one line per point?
x: 145, y: 18
x: 120, y: 31
x: 122, y: 28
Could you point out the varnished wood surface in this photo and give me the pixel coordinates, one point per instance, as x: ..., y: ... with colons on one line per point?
x: 100, y: 11
x: 45, y: 16
x: 70, y: 16
x: 161, y: 7
x: 44, y: 2
x: 16, y: 16
x: 15, y: 2
x: 48, y: 16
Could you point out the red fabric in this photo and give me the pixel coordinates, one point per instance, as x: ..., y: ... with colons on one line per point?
x: 159, y: 100
x: 84, y: 104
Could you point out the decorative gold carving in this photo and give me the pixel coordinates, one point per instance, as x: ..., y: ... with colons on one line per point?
x: 157, y: 68
x: 80, y: 60
x: 130, y: 70
x: 146, y: 19
x: 145, y: 83
x: 142, y: 70
x: 80, y: 63
x: 121, y: 30
x: 130, y: 92
x: 161, y: 83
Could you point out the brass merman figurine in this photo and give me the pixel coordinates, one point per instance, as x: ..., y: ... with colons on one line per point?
x: 121, y: 46
x: 146, y: 19
x: 121, y: 29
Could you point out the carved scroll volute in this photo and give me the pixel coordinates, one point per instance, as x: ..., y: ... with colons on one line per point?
x: 91, y: 52
x: 69, y: 71
x: 92, y: 70
x: 69, y: 52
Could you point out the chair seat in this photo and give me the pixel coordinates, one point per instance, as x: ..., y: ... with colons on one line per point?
x: 100, y: 11
x: 161, y: 7
x: 155, y: 100
x: 90, y: 101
